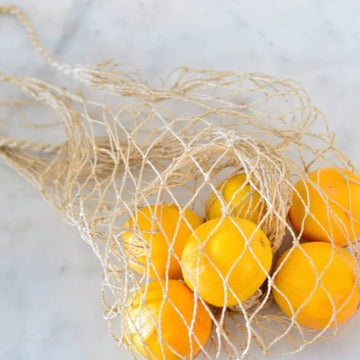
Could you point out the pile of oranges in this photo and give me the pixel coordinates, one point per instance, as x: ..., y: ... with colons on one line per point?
x: 227, y: 258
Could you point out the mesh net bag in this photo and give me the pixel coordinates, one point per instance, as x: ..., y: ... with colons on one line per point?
x: 159, y: 179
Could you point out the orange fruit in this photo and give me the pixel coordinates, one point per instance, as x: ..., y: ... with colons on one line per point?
x: 333, y: 300
x: 221, y: 265
x: 240, y: 198
x: 153, y: 233
x: 157, y: 322
x: 334, y: 218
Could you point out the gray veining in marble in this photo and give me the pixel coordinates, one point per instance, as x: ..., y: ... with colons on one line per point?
x: 49, y: 302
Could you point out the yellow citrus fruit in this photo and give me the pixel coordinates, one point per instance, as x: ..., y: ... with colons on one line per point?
x: 339, y: 220
x: 153, y: 233
x: 337, y: 294
x: 219, y: 263
x: 158, y: 322
x: 240, y: 197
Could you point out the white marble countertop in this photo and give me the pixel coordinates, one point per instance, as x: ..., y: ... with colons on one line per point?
x: 49, y: 299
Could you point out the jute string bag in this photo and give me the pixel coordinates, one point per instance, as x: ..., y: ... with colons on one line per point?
x: 125, y: 145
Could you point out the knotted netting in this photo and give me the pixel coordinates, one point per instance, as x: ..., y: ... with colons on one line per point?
x: 136, y: 168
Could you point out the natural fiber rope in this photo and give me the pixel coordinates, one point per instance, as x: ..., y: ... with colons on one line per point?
x: 28, y: 145
x: 175, y: 144
x: 26, y: 22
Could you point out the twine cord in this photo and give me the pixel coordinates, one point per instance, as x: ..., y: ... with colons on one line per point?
x: 129, y: 145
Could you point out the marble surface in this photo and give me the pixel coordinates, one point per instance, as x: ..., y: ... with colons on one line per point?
x: 49, y: 300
